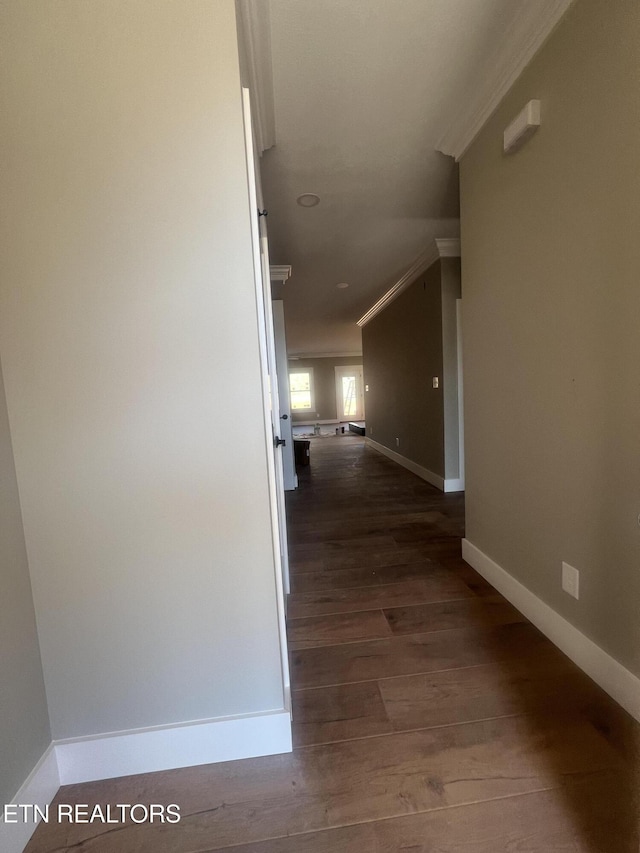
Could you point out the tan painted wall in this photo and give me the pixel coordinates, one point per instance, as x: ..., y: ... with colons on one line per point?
x: 402, y: 349
x: 129, y: 341
x: 24, y: 719
x: 550, y: 263
x: 324, y: 378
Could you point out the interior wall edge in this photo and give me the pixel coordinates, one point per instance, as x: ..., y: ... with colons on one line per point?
x: 39, y: 788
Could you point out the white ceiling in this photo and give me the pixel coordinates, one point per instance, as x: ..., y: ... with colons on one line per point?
x: 364, y: 90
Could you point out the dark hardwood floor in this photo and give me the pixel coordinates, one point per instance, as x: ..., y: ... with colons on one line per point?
x: 429, y: 715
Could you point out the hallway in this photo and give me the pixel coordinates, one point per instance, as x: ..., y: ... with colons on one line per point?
x: 431, y: 688
x: 428, y: 714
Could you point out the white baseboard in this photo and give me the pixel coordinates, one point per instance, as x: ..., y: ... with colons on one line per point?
x: 165, y: 748
x: 621, y: 684
x: 68, y: 762
x: 427, y: 475
x: 39, y: 789
x: 452, y: 485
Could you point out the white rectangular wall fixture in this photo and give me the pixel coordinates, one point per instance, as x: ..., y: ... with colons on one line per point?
x: 571, y: 580
x: 522, y: 127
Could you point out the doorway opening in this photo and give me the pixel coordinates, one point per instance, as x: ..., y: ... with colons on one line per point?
x: 350, y: 393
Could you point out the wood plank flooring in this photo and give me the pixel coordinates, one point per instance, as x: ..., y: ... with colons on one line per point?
x: 429, y: 715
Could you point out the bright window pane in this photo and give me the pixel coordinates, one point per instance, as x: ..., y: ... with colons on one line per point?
x: 300, y: 387
x: 349, y: 396
x: 301, y: 400
x: 300, y: 382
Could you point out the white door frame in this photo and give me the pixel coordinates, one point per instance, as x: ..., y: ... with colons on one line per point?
x: 460, y: 393
x: 340, y: 371
x: 274, y: 407
x: 262, y: 278
x: 282, y: 369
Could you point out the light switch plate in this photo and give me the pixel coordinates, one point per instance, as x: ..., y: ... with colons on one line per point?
x: 571, y: 580
x: 436, y: 382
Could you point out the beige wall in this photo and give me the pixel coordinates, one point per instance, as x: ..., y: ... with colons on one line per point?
x: 129, y: 343
x: 24, y: 720
x: 550, y: 261
x: 412, y: 340
x: 324, y: 379
x: 402, y: 349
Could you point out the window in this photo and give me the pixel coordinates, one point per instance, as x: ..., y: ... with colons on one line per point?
x: 301, y: 390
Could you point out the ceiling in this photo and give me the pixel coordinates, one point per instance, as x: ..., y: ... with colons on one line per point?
x: 363, y: 92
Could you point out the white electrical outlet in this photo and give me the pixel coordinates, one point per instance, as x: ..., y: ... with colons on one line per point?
x: 436, y: 381
x: 571, y: 580
x: 397, y: 442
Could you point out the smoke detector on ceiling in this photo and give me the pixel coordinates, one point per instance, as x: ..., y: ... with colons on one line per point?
x: 308, y: 200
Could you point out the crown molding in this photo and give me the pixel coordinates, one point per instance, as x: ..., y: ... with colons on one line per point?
x: 254, y: 25
x: 280, y: 272
x: 520, y: 42
x: 442, y: 247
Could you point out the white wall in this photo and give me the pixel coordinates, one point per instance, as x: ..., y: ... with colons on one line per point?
x: 129, y: 343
